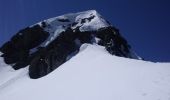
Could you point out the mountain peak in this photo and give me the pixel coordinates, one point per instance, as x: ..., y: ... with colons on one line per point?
x: 84, y: 21
x: 48, y: 44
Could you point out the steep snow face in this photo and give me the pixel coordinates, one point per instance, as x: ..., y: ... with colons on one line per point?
x: 93, y: 74
x: 86, y: 21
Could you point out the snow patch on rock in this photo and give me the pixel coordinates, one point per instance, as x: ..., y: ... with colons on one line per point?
x: 85, y: 21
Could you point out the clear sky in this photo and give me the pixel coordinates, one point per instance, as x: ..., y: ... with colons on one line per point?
x: 144, y: 23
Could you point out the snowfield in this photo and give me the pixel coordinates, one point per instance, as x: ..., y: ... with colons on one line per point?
x: 93, y: 74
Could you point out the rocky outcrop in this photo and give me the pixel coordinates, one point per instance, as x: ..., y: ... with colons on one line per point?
x: 16, y: 51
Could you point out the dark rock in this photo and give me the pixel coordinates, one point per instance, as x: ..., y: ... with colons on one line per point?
x: 87, y: 19
x: 115, y: 44
x: 74, y: 24
x: 16, y: 51
x: 43, y: 24
x: 64, y: 20
x: 53, y: 55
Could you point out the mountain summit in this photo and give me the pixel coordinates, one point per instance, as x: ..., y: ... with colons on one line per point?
x: 48, y: 44
x: 92, y: 61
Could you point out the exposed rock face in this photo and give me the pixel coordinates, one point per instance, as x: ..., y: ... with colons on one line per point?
x: 31, y: 45
x: 16, y: 51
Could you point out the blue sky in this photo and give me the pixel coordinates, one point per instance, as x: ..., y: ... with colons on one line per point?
x: 144, y: 23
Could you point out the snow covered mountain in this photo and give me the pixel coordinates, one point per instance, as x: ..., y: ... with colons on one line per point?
x: 85, y: 58
x: 92, y: 74
x: 48, y: 44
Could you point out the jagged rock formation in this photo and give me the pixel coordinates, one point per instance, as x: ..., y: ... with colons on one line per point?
x: 50, y: 43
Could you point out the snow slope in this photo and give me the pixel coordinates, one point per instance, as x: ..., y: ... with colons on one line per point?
x: 93, y: 74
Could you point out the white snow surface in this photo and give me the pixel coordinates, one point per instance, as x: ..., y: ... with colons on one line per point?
x: 93, y: 74
x: 55, y: 27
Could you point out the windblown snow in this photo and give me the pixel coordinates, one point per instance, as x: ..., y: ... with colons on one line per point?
x: 93, y: 74
x: 86, y: 21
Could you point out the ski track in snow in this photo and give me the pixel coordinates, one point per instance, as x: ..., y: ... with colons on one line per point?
x: 12, y: 80
x: 8, y: 75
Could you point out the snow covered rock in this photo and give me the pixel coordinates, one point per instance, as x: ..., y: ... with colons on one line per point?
x: 48, y: 44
